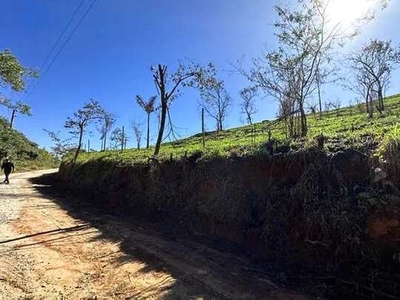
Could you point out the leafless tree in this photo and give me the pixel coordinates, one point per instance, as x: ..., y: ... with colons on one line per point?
x: 106, y: 122
x: 61, y: 147
x: 292, y: 73
x: 117, y: 139
x: 168, y: 84
x: 336, y: 105
x: 362, y: 84
x: 248, y: 105
x: 373, y: 66
x: 216, y: 102
x: 137, y: 131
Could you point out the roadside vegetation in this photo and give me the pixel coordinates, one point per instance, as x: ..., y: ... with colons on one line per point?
x: 319, y: 205
x: 25, y: 154
x: 343, y: 128
x: 308, y: 58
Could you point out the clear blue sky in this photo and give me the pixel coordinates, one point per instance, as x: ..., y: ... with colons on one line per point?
x: 109, y: 56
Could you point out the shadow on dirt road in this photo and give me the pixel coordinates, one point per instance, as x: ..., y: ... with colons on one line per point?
x: 198, y: 270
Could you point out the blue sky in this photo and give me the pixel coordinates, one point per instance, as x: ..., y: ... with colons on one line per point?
x: 109, y: 56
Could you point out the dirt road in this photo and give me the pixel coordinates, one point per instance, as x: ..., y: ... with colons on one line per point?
x: 51, y: 247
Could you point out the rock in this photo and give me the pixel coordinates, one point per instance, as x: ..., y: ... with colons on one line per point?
x: 379, y: 175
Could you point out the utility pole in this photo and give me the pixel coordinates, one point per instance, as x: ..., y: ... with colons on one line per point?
x: 123, y: 138
x: 12, y: 118
x: 203, y: 128
x: 88, y: 146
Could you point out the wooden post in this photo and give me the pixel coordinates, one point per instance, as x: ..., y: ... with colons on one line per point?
x: 123, y: 138
x: 12, y: 118
x: 253, y: 134
x: 203, y: 128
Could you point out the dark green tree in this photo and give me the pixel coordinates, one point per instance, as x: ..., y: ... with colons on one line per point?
x: 12, y: 73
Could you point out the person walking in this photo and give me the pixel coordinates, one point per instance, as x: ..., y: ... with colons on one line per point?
x: 7, y: 167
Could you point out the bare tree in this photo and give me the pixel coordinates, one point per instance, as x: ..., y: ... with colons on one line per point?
x: 107, y: 121
x: 292, y: 73
x: 187, y: 75
x: 137, y: 131
x: 117, y: 138
x: 362, y: 84
x: 148, y: 107
x: 373, y: 66
x: 61, y: 147
x: 336, y: 105
x: 89, y: 112
x: 298, y: 67
x: 216, y: 102
x: 248, y: 105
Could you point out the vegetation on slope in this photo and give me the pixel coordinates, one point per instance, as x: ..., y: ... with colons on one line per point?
x: 25, y: 154
x: 342, y: 128
x: 324, y: 218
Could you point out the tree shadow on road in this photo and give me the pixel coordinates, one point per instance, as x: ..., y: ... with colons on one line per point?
x: 196, y: 270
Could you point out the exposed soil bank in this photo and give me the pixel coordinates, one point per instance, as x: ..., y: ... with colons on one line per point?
x: 312, y: 212
x: 53, y: 246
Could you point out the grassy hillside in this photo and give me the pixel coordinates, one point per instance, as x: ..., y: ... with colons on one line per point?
x: 25, y: 154
x: 347, y: 127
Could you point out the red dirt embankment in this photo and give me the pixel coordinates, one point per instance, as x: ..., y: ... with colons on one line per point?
x: 310, y: 211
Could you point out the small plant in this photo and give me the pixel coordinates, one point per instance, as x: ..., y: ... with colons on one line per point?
x: 390, y: 146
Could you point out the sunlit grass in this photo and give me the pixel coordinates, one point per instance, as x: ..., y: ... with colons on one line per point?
x: 350, y: 126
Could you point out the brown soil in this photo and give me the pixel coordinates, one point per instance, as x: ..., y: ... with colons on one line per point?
x: 52, y: 250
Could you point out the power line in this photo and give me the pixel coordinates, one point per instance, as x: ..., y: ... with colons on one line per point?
x: 60, y: 36
x: 63, y: 45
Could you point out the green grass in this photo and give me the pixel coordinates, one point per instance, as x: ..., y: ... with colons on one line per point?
x: 348, y: 127
x: 25, y: 154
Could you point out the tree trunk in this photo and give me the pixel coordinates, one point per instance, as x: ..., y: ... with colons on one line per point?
x: 148, y: 131
x: 123, y: 138
x: 164, y: 106
x: 203, y: 128
x: 380, y: 99
x: 319, y: 99
x: 105, y: 140
x: 303, y: 121
x: 162, y: 125
x: 79, y: 144
x: 12, y: 118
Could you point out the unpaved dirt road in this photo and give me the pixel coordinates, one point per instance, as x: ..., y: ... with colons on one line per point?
x: 52, y: 250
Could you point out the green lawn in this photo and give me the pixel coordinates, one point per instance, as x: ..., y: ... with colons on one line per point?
x: 349, y: 127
